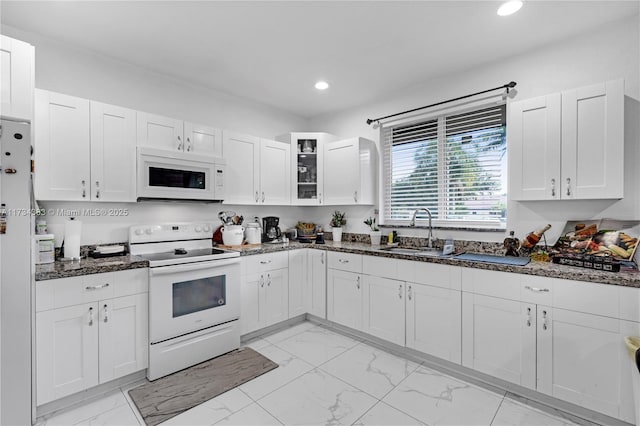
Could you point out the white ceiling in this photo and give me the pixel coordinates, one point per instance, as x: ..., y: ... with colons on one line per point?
x: 273, y: 52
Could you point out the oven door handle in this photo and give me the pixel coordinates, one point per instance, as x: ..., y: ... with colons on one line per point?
x: 173, y: 269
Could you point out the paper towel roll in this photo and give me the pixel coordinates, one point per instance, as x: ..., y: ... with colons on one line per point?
x: 72, y: 230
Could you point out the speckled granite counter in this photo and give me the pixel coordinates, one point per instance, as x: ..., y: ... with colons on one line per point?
x: 88, y: 266
x: 629, y: 279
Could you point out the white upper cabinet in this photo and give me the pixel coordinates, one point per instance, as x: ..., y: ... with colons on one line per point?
x: 84, y: 150
x: 568, y: 145
x: 350, y: 172
x: 202, y: 139
x: 593, y: 141
x: 16, y: 78
x: 257, y: 170
x: 160, y: 132
x: 62, y: 153
x: 113, y: 153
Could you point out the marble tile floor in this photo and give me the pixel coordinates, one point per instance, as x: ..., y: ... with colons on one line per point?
x: 326, y: 378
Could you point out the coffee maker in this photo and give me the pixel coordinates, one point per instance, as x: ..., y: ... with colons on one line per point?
x: 271, y: 230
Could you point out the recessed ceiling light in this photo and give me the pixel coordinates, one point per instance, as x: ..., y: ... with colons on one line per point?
x: 322, y: 85
x: 509, y: 7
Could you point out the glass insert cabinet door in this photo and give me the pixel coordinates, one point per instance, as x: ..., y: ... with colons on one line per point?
x: 307, y: 157
x: 198, y: 295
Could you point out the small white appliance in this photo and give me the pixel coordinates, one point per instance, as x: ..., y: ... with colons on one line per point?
x: 194, y: 295
x: 172, y: 175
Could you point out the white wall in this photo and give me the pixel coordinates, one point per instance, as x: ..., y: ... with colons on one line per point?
x: 607, y: 53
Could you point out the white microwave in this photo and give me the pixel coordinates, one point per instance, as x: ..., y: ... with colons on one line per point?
x: 173, y: 175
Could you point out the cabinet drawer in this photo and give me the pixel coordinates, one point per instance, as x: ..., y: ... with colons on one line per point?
x: 71, y: 291
x: 505, y: 285
x: 380, y: 266
x: 345, y: 261
x: 264, y: 262
x: 592, y: 298
x: 444, y: 276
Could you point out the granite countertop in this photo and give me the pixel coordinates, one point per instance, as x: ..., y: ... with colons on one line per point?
x: 545, y: 269
x: 87, y: 266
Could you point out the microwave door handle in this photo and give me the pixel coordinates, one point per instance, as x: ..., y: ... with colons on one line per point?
x: 173, y: 269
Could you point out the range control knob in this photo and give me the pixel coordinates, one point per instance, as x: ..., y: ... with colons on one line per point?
x: 198, y: 228
x: 139, y: 232
x: 207, y: 228
x: 149, y: 231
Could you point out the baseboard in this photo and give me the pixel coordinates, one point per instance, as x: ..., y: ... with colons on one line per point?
x: 273, y: 328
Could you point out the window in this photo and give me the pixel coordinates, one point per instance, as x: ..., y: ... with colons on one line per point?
x: 454, y: 164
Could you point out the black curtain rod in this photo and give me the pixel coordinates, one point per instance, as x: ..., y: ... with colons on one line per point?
x: 507, y: 86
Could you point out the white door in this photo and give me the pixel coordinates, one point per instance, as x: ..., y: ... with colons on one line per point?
x: 62, y: 160
x: 160, y: 132
x: 341, y: 172
x: 201, y: 139
x: 67, y: 351
x: 250, y: 312
x: 298, y: 282
x: 434, y: 321
x: 593, y: 141
x: 113, y: 153
x: 499, y: 338
x: 307, y: 175
x: 275, y: 173
x: 275, y: 304
x: 242, y: 182
x: 584, y: 360
x: 123, y: 339
x: 344, y: 298
x: 533, y: 136
x: 16, y: 78
x: 383, y: 309
x: 317, y: 294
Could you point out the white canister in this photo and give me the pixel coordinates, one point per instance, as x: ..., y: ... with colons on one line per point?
x: 232, y: 235
x: 253, y: 233
x: 43, y: 247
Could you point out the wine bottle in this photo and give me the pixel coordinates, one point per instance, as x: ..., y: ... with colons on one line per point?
x: 533, y: 238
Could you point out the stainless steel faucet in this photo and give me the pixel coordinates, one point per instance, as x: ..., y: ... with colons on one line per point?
x: 413, y: 223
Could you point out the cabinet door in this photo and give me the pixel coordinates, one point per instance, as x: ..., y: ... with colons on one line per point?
x: 434, y: 321
x: 533, y: 136
x: 582, y: 360
x: 384, y: 309
x: 344, y: 298
x: 123, y: 336
x: 242, y: 153
x: 499, y: 338
x: 16, y: 78
x: 160, y: 132
x: 593, y: 141
x: 317, y: 295
x: 274, y: 297
x: 341, y: 172
x: 250, y: 308
x: 113, y: 153
x: 307, y: 172
x: 298, y: 282
x: 62, y: 160
x: 275, y: 174
x: 66, y: 351
x: 202, y: 139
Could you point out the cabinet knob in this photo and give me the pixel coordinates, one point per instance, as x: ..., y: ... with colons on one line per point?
x: 263, y: 196
x: 409, y: 293
x: 569, y: 186
x: 528, y: 317
x: 322, y: 258
x: 84, y: 190
x: 97, y: 189
x: 358, y: 283
x: 268, y: 280
x: 355, y: 196
x: 320, y: 197
x: 256, y: 196
x: 188, y: 144
x: 106, y: 313
x: 91, y: 316
x: 179, y: 143
x: 545, y: 325
x: 261, y: 281
x: 553, y: 187
x: 400, y: 291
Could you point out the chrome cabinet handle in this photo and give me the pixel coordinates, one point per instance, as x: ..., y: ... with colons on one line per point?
x: 400, y: 291
x: 528, y: 317
x: 544, y: 320
x: 106, y: 313
x: 91, y: 316
x: 96, y: 287
x: 188, y: 144
x: 569, y: 186
x: 179, y: 143
x: 261, y: 281
x: 263, y: 196
x: 343, y: 260
x: 265, y: 262
x: 268, y: 280
x: 553, y: 187
x: 409, y: 293
x: 84, y: 190
x: 536, y: 289
x: 256, y: 196
x: 320, y: 197
x: 97, y: 189
x: 358, y: 283
x: 322, y: 258
x: 355, y: 196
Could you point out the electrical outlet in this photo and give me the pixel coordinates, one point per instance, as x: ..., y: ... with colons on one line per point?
x: 376, y: 211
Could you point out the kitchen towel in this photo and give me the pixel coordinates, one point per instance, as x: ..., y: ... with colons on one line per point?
x: 169, y: 396
x: 72, y: 230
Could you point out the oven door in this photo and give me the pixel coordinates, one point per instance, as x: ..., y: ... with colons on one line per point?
x: 176, y: 175
x: 193, y: 296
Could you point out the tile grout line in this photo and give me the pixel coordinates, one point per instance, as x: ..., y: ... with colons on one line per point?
x: 497, y: 410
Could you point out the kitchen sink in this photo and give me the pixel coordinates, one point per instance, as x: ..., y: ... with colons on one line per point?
x: 415, y: 251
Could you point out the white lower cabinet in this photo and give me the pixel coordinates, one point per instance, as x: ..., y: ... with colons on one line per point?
x: 434, y: 321
x: 298, y: 282
x: 344, y: 298
x: 383, y: 309
x: 317, y: 297
x: 80, y: 345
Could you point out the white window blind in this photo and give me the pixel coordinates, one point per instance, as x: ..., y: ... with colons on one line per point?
x: 454, y: 164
